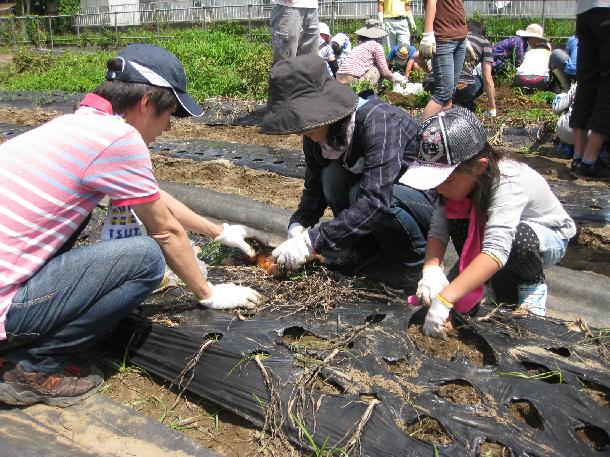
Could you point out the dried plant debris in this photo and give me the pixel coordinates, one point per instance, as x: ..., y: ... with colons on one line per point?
x: 335, y: 362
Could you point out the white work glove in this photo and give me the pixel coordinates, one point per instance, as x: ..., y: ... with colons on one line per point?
x: 295, y: 229
x: 380, y: 17
x: 436, y: 319
x: 228, y: 296
x: 233, y: 235
x: 412, y: 25
x: 427, y: 46
x: 470, y: 54
x: 432, y: 282
x: 490, y: 112
x: 398, y: 78
x: 293, y: 253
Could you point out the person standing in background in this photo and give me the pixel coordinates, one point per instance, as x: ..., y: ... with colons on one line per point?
x: 472, y: 83
x: 591, y: 109
x: 444, y: 41
x: 393, y: 14
x: 294, y: 28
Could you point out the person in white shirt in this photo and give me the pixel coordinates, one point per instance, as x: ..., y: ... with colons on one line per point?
x: 294, y: 28
x: 534, y: 73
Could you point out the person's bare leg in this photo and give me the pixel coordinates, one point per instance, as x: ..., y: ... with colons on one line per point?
x: 433, y: 107
x: 594, y: 144
x: 580, y: 137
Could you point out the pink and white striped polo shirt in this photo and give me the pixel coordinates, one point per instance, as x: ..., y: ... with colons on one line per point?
x: 53, y: 176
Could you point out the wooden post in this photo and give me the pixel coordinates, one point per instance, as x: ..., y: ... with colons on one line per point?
x: 543, y: 13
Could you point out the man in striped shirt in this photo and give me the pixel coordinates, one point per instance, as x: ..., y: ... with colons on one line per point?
x: 55, y: 301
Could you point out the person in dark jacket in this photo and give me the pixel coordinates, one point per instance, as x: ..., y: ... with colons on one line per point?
x: 356, y: 149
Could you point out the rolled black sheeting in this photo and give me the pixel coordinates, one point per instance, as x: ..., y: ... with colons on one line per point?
x: 226, y: 376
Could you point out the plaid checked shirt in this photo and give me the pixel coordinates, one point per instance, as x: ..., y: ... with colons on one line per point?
x: 384, y: 137
x: 508, y: 49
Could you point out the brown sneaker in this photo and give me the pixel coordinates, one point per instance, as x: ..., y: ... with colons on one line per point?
x: 73, y: 384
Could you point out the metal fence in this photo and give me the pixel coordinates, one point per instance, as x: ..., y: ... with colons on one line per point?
x: 52, y: 30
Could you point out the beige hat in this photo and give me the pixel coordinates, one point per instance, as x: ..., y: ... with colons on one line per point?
x: 532, y: 31
x: 372, y: 29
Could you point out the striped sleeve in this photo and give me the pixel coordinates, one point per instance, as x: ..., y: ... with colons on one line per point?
x: 123, y: 171
x: 381, y: 62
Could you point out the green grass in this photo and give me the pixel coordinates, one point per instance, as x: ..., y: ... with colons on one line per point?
x: 219, y: 61
x: 224, y: 59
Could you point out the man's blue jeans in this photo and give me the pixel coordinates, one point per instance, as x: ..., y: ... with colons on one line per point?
x: 447, y: 65
x: 465, y: 96
x: 77, y: 298
x: 403, y: 232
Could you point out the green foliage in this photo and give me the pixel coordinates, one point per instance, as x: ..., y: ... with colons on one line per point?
x: 69, y: 72
x: 318, y: 451
x: 68, y: 6
x: 500, y: 27
x: 544, y: 97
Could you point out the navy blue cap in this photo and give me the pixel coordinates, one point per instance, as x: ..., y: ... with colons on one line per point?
x: 149, y: 64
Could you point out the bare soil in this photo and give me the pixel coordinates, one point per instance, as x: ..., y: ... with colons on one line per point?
x: 461, y: 392
x: 524, y: 411
x: 429, y: 430
x: 595, y: 437
x: 205, y: 423
x: 493, y: 449
x: 459, y: 344
x: 597, y: 392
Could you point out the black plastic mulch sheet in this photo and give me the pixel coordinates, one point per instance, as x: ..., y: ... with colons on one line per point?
x: 370, y: 390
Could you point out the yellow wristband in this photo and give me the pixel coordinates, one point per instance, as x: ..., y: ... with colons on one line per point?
x: 444, y: 302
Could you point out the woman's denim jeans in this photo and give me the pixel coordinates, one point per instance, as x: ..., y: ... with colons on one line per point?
x: 402, y: 234
x: 77, y: 298
x: 447, y: 65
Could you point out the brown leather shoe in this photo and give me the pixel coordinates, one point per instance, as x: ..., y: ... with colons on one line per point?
x: 73, y: 384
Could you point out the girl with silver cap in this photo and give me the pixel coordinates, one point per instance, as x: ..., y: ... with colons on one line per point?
x: 355, y: 150
x: 503, y: 219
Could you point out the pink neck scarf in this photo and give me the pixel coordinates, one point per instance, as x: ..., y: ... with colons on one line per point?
x: 463, y: 209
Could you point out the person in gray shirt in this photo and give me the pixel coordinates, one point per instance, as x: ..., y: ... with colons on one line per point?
x: 505, y: 223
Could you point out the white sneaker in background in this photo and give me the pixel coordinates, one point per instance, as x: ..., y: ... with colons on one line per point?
x: 533, y: 298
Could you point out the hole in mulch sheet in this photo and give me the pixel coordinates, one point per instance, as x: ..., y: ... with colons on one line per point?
x: 525, y: 411
x: 598, y: 392
x: 297, y: 339
x: 374, y: 318
x: 461, y: 345
x: 542, y: 373
x: 278, y: 162
x: 493, y: 449
x: 460, y: 391
x: 403, y: 368
x: 430, y: 430
x: 595, y: 437
x: 563, y: 352
x: 256, y: 159
x: 213, y: 336
x: 326, y: 385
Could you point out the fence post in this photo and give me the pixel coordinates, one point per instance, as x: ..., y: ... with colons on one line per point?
x: 157, y: 23
x: 77, y: 18
x: 51, y: 31
x: 249, y: 21
x: 332, y: 14
x: 116, y: 28
x: 543, y: 13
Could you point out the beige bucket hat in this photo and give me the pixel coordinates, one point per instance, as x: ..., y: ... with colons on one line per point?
x: 532, y: 31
